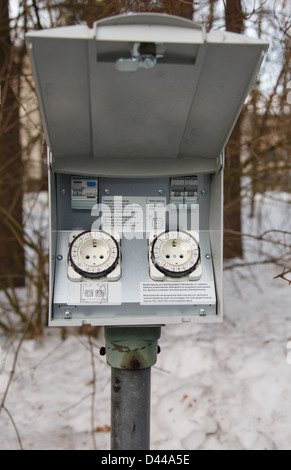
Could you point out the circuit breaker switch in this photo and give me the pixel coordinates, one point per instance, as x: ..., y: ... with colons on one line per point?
x: 177, y: 187
x: 191, y: 190
x: 191, y: 183
x: 84, y: 192
x: 184, y: 190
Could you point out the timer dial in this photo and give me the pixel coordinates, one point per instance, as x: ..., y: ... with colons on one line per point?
x: 175, y: 253
x: 94, y: 254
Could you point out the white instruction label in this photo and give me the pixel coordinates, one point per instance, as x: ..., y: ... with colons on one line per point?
x: 177, y: 293
x: 101, y: 293
x: 126, y: 214
x: 123, y: 214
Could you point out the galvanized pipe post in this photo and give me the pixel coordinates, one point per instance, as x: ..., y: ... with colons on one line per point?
x: 131, y: 351
x: 130, y: 409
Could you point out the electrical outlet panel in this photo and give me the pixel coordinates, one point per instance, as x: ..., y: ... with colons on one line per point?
x: 137, y: 111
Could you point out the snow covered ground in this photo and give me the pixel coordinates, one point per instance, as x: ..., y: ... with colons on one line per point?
x: 215, y: 386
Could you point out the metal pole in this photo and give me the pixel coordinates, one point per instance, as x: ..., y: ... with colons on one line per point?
x: 131, y: 351
x: 130, y: 409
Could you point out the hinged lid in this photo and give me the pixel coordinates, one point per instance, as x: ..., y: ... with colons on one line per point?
x: 140, y: 94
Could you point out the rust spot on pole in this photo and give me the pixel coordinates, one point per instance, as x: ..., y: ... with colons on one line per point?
x: 134, y: 364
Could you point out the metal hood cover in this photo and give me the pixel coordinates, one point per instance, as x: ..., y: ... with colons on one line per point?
x: 140, y: 94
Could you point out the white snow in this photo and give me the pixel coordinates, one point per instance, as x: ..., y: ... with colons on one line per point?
x: 214, y: 386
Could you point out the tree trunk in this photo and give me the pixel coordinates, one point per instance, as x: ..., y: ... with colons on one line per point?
x: 232, y: 199
x: 11, y: 234
x: 182, y: 8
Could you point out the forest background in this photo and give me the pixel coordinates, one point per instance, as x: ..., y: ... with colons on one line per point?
x: 257, y: 156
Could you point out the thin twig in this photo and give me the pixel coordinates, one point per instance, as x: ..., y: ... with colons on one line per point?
x: 12, y: 372
x: 14, y: 425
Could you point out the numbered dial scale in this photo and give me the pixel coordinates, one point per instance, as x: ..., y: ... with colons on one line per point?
x: 94, y: 254
x: 175, y: 253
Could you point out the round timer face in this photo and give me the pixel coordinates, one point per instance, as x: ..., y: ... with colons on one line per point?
x: 175, y: 253
x: 94, y: 254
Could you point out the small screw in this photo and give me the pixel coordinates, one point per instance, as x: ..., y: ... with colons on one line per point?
x: 107, y: 192
x: 161, y: 192
x: 208, y: 256
x: 202, y: 312
x: 203, y: 192
x: 63, y: 191
x: 67, y: 315
x: 59, y: 257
